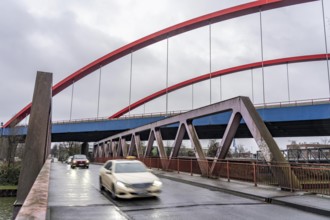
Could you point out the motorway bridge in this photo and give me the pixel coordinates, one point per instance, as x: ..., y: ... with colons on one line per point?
x: 297, y: 120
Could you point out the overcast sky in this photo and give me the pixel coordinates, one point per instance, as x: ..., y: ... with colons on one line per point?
x: 62, y: 36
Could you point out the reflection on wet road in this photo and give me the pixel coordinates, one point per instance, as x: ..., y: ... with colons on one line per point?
x: 74, y: 194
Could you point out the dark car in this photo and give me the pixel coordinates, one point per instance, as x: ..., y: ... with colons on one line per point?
x: 79, y: 160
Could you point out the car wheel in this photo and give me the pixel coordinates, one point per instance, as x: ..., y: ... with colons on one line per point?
x: 113, y: 192
x: 72, y: 167
x: 101, y: 186
x: 87, y: 167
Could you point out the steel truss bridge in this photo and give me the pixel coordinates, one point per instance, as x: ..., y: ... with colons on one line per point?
x: 316, y: 155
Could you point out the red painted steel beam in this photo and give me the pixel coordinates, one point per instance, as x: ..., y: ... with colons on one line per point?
x: 225, y: 14
x: 220, y: 73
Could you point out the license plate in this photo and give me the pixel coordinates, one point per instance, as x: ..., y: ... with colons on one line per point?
x: 142, y: 192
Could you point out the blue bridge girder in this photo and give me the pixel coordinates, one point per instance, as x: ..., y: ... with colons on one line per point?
x: 290, y: 121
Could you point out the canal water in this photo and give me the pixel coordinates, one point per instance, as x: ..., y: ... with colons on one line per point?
x: 6, y: 207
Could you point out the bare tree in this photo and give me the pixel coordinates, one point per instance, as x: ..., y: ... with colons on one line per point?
x: 240, y: 148
x: 212, y: 148
x: 13, y: 139
x: 325, y: 140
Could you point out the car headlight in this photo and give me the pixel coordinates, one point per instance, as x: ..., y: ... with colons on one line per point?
x: 121, y: 184
x: 74, y: 161
x: 157, y: 183
x: 87, y: 161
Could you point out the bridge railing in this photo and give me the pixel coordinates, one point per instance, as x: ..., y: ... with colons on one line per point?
x: 313, y: 178
x: 35, y: 205
x: 132, y: 116
x: 300, y: 102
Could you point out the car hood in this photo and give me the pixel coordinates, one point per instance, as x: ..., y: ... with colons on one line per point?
x: 132, y: 178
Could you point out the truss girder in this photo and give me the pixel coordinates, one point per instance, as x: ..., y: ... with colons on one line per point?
x: 132, y: 145
x: 178, y: 141
x: 241, y: 108
x: 150, y: 143
x: 227, y: 138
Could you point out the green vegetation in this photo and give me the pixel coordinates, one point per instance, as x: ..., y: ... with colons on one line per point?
x: 8, y: 187
x: 212, y: 148
x: 9, y: 174
x: 63, y: 150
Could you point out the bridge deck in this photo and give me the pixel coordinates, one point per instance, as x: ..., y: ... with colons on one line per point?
x: 74, y: 194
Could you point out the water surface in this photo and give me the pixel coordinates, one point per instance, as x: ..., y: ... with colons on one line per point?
x: 6, y: 207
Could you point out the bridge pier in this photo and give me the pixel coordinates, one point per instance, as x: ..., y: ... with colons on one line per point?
x: 38, y: 139
x: 84, y: 148
x: 3, y: 147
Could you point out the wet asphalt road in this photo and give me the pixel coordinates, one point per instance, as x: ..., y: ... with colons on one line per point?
x: 74, y: 194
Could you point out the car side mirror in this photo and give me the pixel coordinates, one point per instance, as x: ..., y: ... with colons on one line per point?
x: 108, y: 172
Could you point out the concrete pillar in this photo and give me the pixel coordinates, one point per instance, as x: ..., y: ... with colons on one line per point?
x: 3, y: 147
x: 84, y: 148
x: 38, y: 139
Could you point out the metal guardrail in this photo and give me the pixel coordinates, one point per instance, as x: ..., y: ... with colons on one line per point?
x: 301, y: 102
x: 146, y: 115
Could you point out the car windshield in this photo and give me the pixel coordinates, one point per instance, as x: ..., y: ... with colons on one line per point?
x: 129, y: 168
x: 80, y: 156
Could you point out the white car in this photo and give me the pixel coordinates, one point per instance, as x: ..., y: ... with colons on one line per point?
x: 128, y: 179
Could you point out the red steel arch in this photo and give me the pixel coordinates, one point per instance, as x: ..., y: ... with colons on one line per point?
x: 219, y: 73
x: 225, y: 14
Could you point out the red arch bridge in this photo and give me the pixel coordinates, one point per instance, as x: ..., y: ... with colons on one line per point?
x: 304, y: 120
x: 242, y: 108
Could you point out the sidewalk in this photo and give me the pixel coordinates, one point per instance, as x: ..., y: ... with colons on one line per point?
x: 299, y: 200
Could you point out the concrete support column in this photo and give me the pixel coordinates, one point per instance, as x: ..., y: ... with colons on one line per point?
x: 95, y: 151
x: 3, y: 147
x: 84, y: 148
x: 38, y: 139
